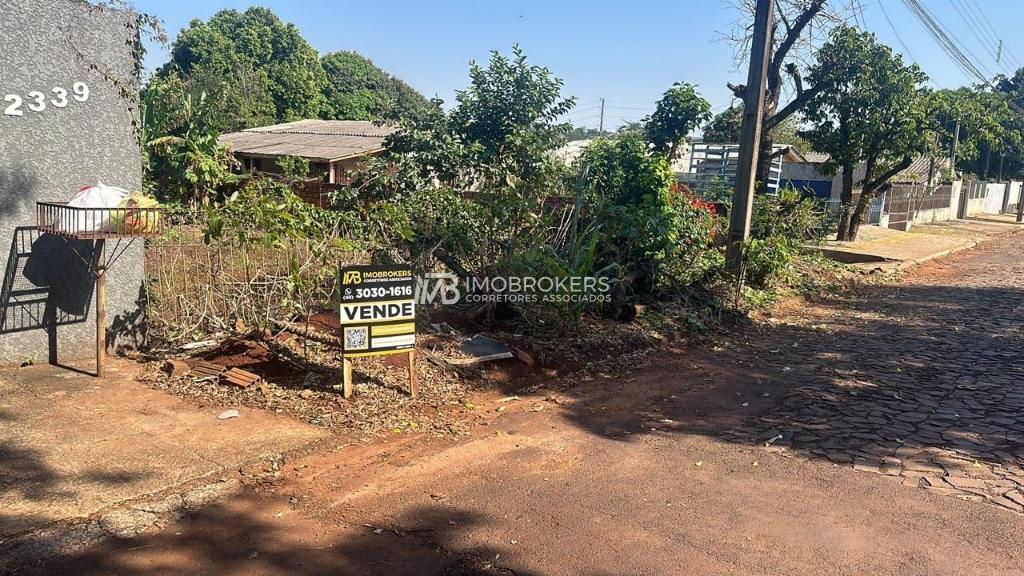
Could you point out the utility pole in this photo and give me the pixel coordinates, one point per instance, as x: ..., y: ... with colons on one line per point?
x: 999, y: 52
x: 600, y: 126
x: 750, y: 138
x: 1002, y: 156
x: 956, y: 140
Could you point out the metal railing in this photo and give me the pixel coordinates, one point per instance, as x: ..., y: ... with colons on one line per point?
x: 98, y: 223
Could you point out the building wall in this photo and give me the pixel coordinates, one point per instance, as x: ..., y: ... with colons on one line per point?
x: 46, y: 302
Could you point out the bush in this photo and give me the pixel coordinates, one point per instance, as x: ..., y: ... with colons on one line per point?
x: 788, y: 214
x: 780, y: 227
x: 653, y: 229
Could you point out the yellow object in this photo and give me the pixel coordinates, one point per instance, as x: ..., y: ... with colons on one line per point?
x: 129, y: 221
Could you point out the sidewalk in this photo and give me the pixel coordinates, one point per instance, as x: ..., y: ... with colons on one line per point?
x: 889, y: 250
x: 83, y: 458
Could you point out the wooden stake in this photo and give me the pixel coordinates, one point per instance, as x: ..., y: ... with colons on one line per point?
x: 347, y: 377
x: 101, y: 309
x: 413, y: 384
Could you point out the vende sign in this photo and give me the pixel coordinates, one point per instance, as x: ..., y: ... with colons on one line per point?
x: 377, y: 309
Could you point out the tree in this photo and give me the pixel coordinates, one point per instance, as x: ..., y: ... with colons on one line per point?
x: 792, y: 33
x: 496, y: 143
x: 255, y: 49
x: 183, y: 160
x: 680, y: 111
x: 359, y: 90
x: 725, y: 127
x: 875, y: 113
x: 500, y: 133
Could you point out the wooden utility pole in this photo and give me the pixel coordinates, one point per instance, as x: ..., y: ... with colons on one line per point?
x: 750, y: 137
x: 600, y: 126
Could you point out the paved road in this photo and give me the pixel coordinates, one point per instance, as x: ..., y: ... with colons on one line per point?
x: 663, y: 469
x: 924, y: 381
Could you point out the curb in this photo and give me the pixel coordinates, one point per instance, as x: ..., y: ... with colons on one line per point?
x: 900, y: 265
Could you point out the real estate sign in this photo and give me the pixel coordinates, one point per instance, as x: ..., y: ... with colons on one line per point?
x: 377, y: 308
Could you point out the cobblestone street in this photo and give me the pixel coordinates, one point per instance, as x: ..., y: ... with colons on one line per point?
x: 922, y: 380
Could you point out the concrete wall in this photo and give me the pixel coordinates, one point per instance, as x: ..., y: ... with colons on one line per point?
x: 46, y: 302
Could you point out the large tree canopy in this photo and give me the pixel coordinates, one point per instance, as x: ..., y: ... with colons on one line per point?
x: 255, y: 50
x: 876, y: 113
x: 359, y: 90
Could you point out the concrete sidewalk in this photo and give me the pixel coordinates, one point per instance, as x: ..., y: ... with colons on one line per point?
x: 888, y: 250
x: 75, y: 451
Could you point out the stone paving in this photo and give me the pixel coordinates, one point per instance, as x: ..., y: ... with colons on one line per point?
x: 921, y: 380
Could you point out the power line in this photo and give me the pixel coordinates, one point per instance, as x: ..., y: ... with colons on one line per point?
x: 980, y: 14
x: 896, y: 32
x: 975, y: 29
x: 988, y: 24
x: 938, y: 33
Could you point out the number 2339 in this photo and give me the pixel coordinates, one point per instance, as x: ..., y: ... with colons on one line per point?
x: 36, y: 101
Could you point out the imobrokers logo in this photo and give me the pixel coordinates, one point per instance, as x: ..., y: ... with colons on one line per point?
x: 446, y: 289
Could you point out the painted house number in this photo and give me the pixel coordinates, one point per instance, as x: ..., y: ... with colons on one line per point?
x: 36, y: 101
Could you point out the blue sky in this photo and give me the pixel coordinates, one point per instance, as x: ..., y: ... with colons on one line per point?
x: 627, y: 52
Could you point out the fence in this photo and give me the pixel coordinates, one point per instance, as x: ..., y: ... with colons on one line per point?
x: 983, y: 197
x: 197, y: 288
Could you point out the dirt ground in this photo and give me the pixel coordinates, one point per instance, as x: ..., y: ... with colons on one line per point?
x: 805, y: 444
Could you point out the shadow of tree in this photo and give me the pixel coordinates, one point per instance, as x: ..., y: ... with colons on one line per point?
x: 225, y: 539
x: 919, y: 381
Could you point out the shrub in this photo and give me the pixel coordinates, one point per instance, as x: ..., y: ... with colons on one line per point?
x: 780, y: 226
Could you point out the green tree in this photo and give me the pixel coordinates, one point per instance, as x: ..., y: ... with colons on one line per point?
x: 500, y: 133
x: 183, y: 160
x: 359, y: 90
x: 726, y: 126
x: 875, y: 113
x: 679, y: 112
x: 495, y: 144
x: 253, y: 49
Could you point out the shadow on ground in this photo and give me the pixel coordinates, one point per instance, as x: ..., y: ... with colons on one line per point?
x: 226, y: 539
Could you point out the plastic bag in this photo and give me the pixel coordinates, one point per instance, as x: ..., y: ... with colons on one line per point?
x: 134, y: 221
x: 98, y: 196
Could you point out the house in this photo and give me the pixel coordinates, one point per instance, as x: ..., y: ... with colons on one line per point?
x: 805, y: 171
x: 334, y: 148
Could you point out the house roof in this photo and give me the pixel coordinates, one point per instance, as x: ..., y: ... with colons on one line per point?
x: 812, y: 157
x: 918, y: 169
x: 317, y: 140
x: 916, y: 172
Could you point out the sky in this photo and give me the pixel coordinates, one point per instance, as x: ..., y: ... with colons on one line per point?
x: 627, y: 52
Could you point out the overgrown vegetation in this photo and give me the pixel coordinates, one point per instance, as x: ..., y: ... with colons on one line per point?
x: 476, y: 189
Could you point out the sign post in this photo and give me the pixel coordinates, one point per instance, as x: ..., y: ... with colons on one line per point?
x: 377, y: 311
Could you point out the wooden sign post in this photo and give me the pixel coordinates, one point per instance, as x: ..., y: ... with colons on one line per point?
x: 377, y: 308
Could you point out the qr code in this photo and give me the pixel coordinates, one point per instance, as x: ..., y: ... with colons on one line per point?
x: 356, y: 338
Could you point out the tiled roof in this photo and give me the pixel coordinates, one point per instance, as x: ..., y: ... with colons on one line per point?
x: 320, y: 140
